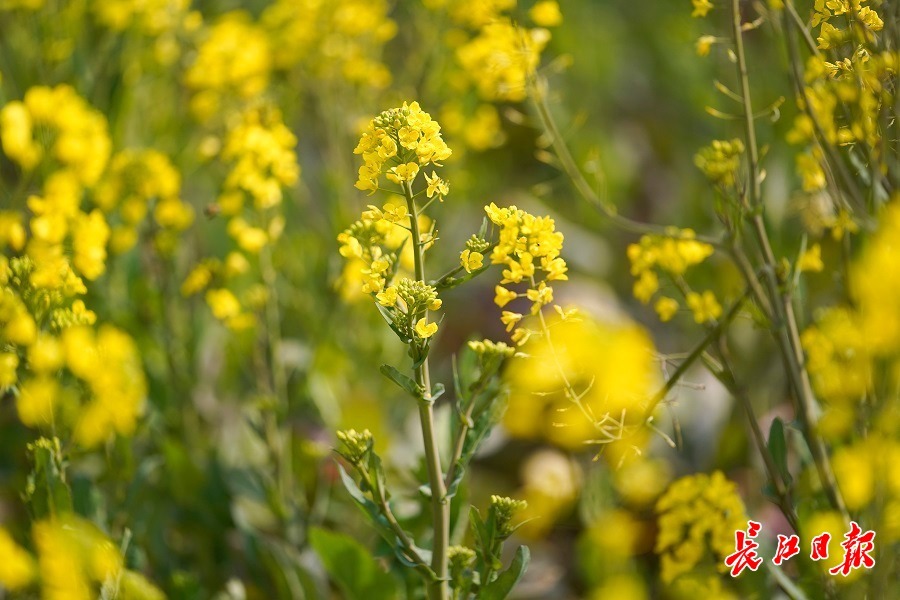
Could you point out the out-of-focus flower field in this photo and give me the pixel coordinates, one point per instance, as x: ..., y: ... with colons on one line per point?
x: 402, y: 299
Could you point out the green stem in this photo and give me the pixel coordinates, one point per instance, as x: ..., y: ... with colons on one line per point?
x: 727, y: 377
x: 785, y: 322
x: 284, y: 451
x: 548, y: 124
x: 440, y: 508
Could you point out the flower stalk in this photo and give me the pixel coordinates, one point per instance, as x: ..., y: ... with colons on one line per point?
x: 440, y: 507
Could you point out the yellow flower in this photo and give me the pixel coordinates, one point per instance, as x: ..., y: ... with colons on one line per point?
x: 503, y: 296
x: 705, y: 307
x: 666, y: 308
x: 234, y: 60
x: 701, y: 8
x: 388, y: 297
x: 646, y: 286
x: 17, y: 568
x: 223, y: 303
x: 9, y: 362
x: 704, y: 43
x: 424, y: 329
x: 546, y: 13
x: 436, y: 185
x: 540, y: 296
x: 89, y: 236
x: 698, y: 516
x: 417, y: 132
x: 501, y: 58
x: 252, y: 239
x: 615, y: 365
x: 811, y: 260
x: 403, y: 173
x: 45, y: 355
x: 394, y: 213
x: 510, y: 319
x: 471, y: 261
x: 37, y: 400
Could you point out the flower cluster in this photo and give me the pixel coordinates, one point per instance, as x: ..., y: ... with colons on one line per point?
x: 494, y: 58
x: 408, y: 302
x: 108, y: 391
x: 234, y: 61
x: 138, y: 183
x: 847, y: 346
x: 75, y: 561
x: 375, y: 247
x: 613, y: 366
x: 698, y: 516
x: 260, y: 150
x: 356, y: 444
x: 853, y: 20
x: 327, y: 39
x: 151, y: 17
x: 845, y: 91
x: 77, y: 134
x: 396, y: 144
x: 720, y: 161
x: 529, y: 248
x: 672, y: 254
x: 502, y: 58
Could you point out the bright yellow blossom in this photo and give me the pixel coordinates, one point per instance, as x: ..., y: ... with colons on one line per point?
x: 504, y: 296
x: 470, y: 260
x: 424, y: 329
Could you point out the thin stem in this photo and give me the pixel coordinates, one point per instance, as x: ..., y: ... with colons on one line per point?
x: 284, y: 451
x: 785, y: 323
x: 536, y: 87
x: 381, y: 500
x: 440, y: 508
x: 460, y: 442
x: 727, y: 377
x: 696, y: 353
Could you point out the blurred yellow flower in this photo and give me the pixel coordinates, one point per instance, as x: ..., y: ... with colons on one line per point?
x: 704, y: 306
x: 610, y: 365
x: 546, y: 13
x: 17, y: 568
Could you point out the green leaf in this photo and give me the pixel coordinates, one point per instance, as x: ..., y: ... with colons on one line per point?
x: 404, y: 382
x: 351, y: 567
x: 777, y: 446
x: 501, y: 587
x: 380, y: 522
x: 388, y: 318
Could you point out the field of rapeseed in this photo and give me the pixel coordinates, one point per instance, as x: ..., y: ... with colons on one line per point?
x: 449, y: 299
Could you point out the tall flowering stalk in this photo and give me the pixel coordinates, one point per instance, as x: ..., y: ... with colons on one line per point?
x: 397, y: 145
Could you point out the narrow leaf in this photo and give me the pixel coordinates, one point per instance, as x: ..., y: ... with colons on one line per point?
x: 351, y: 567
x: 501, y: 587
x: 404, y: 382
